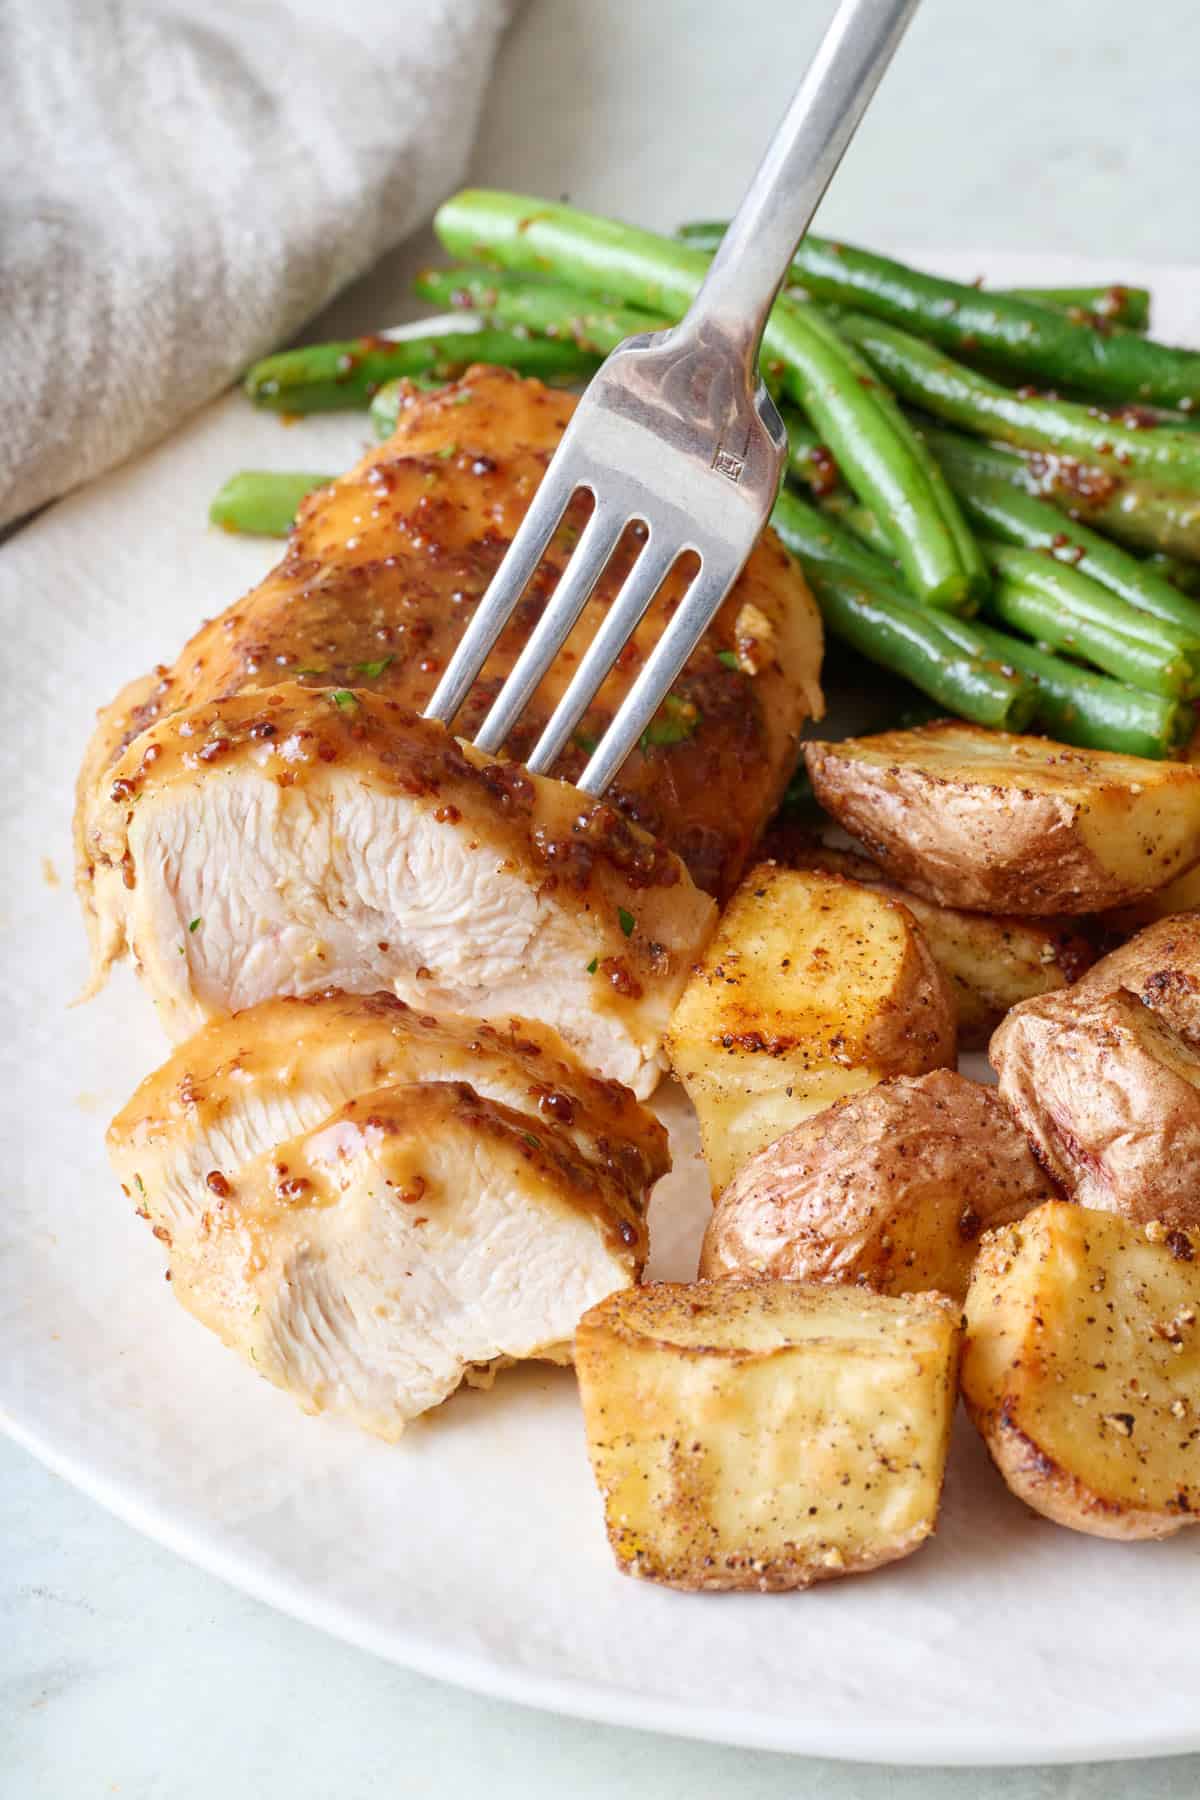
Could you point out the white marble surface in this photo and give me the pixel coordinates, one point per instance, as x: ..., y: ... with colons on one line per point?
x: 1064, y: 126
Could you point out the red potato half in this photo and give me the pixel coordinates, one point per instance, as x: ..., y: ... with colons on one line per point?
x: 992, y: 822
x: 889, y: 1188
x: 1105, y: 1078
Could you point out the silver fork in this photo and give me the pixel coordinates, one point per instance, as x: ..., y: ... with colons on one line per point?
x: 676, y: 430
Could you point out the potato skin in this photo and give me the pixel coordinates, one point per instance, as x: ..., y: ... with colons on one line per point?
x: 991, y: 961
x: 992, y: 822
x: 1081, y: 1369
x: 765, y: 1435
x: 1110, y: 1098
x: 889, y: 1188
x: 1161, y: 965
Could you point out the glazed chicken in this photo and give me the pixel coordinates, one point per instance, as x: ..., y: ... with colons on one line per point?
x: 372, y: 1205
x: 278, y: 786
x: 280, y: 842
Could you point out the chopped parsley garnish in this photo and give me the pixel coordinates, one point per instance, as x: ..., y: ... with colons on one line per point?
x: 372, y: 669
x: 626, y: 921
x: 463, y: 399
x: 446, y: 452
x: 310, y: 671
x: 729, y: 658
x: 674, y: 722
x: 137, y: 1182
x: 344, y: 699
x: 193, y: 924
x: 593, y: 965
x: 587, y: 743
x: 530, y: 1139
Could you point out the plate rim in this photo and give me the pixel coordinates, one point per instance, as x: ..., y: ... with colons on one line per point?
x: 571, y: 1696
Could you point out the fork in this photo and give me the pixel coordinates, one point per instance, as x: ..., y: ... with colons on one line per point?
x: 677, y: 431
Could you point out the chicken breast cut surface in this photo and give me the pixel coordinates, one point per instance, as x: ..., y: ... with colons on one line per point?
x: 243, y: 1085
x: 283, y: 842
x: 383, y: 572
x: 369, y: 1253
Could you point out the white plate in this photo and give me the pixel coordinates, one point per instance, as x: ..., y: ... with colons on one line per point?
x: 475, y: 1550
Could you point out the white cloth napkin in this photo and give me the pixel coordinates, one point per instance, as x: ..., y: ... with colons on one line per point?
x: 184, y: 182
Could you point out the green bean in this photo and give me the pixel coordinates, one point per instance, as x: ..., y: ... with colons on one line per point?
x: 549, y: 308
x: 1025, y: 336
x: 993, y: 504
x: 810, y: 462
x: 863, y: 608
x: 1180, y: 572
x: 1140, y: 513
x: 335, y: 377
x: 1058, y: 606
x: 1093, y: 711
x: 1116, y: 304
x: 1143, y: 514
x: 814, y: 535
x: 969, y: 553
x: 907, y: 640
x: 927, y: 377
x: 863, y: 523
x: 263, y: 502
x: 886, y: 466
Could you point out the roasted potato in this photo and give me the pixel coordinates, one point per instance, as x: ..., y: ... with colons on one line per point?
x: 811, y: 988
x: 766, y: 1434
x: 1179, y: 896
x: 1110, y: 1097
x: 991, y: 963
x: 1081, y: 1368
x: 890, y: 1188
x: 996, y: 823
x: 1161, y: 965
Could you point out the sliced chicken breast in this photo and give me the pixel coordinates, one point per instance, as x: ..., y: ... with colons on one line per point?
x: 369, y: 1255
x: 244, y: 1084
x: 383, y: 572
x: 284, y: 842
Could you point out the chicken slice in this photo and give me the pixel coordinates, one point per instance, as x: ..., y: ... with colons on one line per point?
x: 284, y: 842
x: 369, y: 1255
x: 383, y: 572
x: 243, y: 1085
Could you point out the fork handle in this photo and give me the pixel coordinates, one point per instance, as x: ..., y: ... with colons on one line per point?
x: 756, y: 251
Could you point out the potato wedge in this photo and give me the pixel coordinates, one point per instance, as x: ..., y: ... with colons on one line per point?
x: 1081, y: 1369
x: 990, y: 962
x: 812, y: 988
x: 766, y: 1434
x: 890, y: 1188
x: 1109, y: 1095
x: 996, y: 823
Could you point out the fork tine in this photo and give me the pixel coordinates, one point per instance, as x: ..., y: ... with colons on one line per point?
x: 503, y: 592
x: 638, y: 590
x: 575, y: 584
x: 653, y: 683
